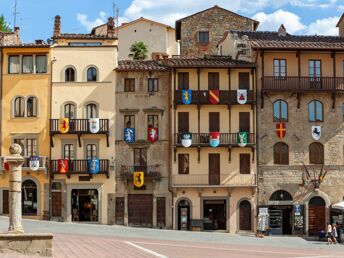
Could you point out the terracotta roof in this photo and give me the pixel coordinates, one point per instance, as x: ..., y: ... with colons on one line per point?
x: 271, y: 40
x: 138, y: 65
x: 27, y: 45
x: 216, y: 61
x: 82, y: 36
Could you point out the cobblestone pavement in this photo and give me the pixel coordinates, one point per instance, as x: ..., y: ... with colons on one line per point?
x: 89, y: 240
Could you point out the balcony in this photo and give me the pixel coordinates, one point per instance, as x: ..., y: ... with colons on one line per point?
x: 151, y: 172
x: 80, y: 167
x: 26, y: 166
x: 202, y: 140
x: 79, y: 127
x: 202, y: 97
x: 225, y: 180
x: 303, y: 84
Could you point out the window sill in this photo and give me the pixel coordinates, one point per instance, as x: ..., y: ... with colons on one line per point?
x: 25, y: 117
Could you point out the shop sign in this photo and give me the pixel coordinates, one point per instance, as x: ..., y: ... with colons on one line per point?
x: 297, y: 209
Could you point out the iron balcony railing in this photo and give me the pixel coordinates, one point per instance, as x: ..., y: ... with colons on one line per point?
x: 303, y: 84
x: 226, y: 97
x: 80, y: 167
x: 79, y: 126
x: 203, y: 139
x: 153, y: 172
x: 26, y: 165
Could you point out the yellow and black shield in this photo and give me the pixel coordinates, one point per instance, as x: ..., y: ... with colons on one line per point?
x: 64, y: 125
x: 139, y: 179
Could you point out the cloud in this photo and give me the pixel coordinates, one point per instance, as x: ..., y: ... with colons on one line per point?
x: 326, y: 26
x: 272, y: 21
x: 87, y: 24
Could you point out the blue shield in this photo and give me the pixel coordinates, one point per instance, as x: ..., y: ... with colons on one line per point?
x: 214, y: 139
x: 187, y: 97
x: 93, y: 166
x: 129, y: 135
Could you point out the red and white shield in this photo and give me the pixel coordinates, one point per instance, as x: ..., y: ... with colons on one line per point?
x: 242, y: 96
x: 152, y: 134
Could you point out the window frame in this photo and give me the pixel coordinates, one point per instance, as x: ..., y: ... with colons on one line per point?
x: 181, y: 167
x: 96, y: 110
x: 96, y: 74
x: 315, y: 111
x: 183, y: 79
x: 26, y: 139
x: 318, y: 144
x: 131, y: 86
x: 46, y: 64
x: 32, y: 64
x: 155, y: 85
x: 21, y: 105
x: 67, y: 79
x: 279, y: 68
x: 202, y: 39
x: 64, y: 110
x: 280, y: 153
x: 248, y: 167
x: 280, y: 120
x: 213, y: 80
x: 34, y: 106
x: 9, y: 64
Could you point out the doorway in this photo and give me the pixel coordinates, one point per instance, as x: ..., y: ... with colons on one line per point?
x: 281, y: 219
x: 184, y: 215
x: 85, y: 205
x: 214, y: 214
x: 245, y: 215
x: 316, y: 215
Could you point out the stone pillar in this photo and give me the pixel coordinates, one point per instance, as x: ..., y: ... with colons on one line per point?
x: 155, y: 215
x: 15, y: 161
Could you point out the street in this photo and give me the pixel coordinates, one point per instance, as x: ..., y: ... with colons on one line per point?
x: 90, y: 240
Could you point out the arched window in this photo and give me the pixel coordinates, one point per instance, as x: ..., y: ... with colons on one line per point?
x: 70, y: 75
x: 29, y: 198
x: 19, y: 107
x: 315, y: 111
x: 69, y: 111
x: 281, y: 153
x: 31, y: 107
x: 91, y: 151
x: 281, y: 195
x: 280, y: 111
x: 91, y: 74
x: 316, y: 153
x: 91, y: 111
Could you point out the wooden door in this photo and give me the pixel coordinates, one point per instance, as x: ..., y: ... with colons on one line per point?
x: 245, y: 215
x: 161, y: 212
x: 214, y: 122
x: 140, y: 210
x: 119, y: 211
x: 5, y: 201
x: 183, y: 122
x: 56, y: 199
x: 244, y: 81
x: 244, y: 122
x: 214, y: 169
x: 316, y: 216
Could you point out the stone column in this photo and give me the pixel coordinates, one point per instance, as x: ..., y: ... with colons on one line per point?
x: 15, y: 161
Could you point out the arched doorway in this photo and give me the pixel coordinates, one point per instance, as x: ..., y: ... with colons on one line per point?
x: 184, y: 209
x: 316, y: 215
x: 245, y: 215
x: 29, y: 198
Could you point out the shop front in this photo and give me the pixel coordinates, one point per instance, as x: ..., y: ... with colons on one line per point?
x: 85, y: 205
x: 214, y: 214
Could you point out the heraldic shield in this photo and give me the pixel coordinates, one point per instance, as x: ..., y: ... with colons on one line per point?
x: 64, y: 125
x: 62, y: 166
x: 93, y: 166
x: 186, y: 140
x: 139, y: 179
x: 93, y: 125
x: 281, y: 130
x: 34, y: 163
x: 242, y: 139
x: 186, y: 97
x: 152, y: 134
x: 129, y: 135
x: 242, y: 96
x: 316, y: 132
x: 214, y: 139
x: 214, y: 96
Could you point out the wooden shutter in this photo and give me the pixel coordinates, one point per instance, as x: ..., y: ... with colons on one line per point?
x: 214, y: 122
x: 244, y: 81
x: 316, y: 153
x: 183, y: 164
x: 214, y: 169
x: 183, y: 81
x: 244, y: 122
x: 56, y: 200
x: 183, y: 122
x: 245, y: 164
x: 213, y: 81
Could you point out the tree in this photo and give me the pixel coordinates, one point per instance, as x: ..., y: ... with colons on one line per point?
x: 138, y: 51
x: 4, y: 26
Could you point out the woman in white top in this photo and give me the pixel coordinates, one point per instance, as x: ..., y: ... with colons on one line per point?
x: 334, y: 233
x: 329, y: 233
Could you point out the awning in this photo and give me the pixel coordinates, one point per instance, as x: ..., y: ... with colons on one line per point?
x: 339, y: 206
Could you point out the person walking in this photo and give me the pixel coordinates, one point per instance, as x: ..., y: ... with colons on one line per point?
x: 334, y: 233
x: 329, y: 233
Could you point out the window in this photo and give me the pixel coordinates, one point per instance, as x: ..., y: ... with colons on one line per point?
x: 153, y: 84
x: 19, y: 107
x: 13, y: 64
x: 280, y: 68
x: 183, y: 122
x: 213, y: 81
x: 129, y: 85
x: 31, y: 107
x: 69, y: 151
x: 91, y: 111
x: 316, y: 153
x: 140, y: 159
x: 214, y: 122
x: 153, y: 121
x: 281, y: 195
x: 183, y: 81
x: 244, y: 122
x: 70, y: 75
x: 280, y: 111
x: 91, y: 74
x: 129, y: 121
x: 28, y: 144
x: 314, y: 69
x: 245, y: 164
x: 91, y: 151
x: 281, y: 153
x: 183, y: 164
x: 41, y: 64
x: 315, y: 111
x: 27, y: 64
x: 69, y: 111
x: 203, y: 37
x: 244, y: 81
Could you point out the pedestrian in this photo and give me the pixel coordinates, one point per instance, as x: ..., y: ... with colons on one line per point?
x: 329, y: 233
x: 334, y: 233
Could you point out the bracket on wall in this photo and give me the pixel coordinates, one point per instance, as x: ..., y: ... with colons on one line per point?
x: 175, y: 154
x: 229, y: 153
x: 107, y: 140
x: 79, y: 140
x: 262, y: 100
x: 199, y: 153
x: 298, y: 96
x: 253, y: 156
x: 51, y: 141
x: 334, y: 100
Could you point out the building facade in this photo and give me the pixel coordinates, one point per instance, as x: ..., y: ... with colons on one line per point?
x: 142, y: 145
x: 82, y: 124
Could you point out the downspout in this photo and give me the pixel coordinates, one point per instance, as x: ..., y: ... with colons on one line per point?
x: 257, y: 133
x: 171, y: 137
x: 1, y: 83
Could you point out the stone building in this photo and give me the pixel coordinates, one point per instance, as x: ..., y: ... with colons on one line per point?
x: 214, y: 152
x: 82, y: 124
x: 200, y: 33
x: 300, y: 126
x: 142, y: 145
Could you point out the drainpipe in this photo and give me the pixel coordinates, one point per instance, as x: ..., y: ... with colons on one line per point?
x: 257, y: 136
x: 1, y: 83
x: 170, y: 145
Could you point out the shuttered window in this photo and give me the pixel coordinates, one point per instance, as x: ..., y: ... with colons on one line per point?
x: 129, y: 85
x: 316, y: 153
x: 245, y: 164
x: 183, y: 81
x: 244, y: 81
x: 183, y: 164
x: 244, y: 122
x: 214, y: 122
x: 213, y: 81
x: 281, y: 153
x: 183, y: 122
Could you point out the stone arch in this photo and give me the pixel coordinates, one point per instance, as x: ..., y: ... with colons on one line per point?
x: 39, y: 189
x: 240, y: 201
x: 178, y: 201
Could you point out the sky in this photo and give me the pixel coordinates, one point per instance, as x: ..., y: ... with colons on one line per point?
x: 36, y: 17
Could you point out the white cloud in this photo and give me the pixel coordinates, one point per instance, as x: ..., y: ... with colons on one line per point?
x: 272, y: 21
x: 85, y: 22
x: 326, y: 26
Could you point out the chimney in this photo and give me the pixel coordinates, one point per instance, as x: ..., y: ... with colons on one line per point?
x: 111, y: 27
x: 39, y: 42
x: 17, y: 35
x: 282, y: 31
x: 57, y: 26
x: 156, y: 56
x: 340, y: 26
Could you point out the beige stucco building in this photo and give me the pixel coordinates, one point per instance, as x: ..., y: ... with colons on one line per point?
x: 82, y: 153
